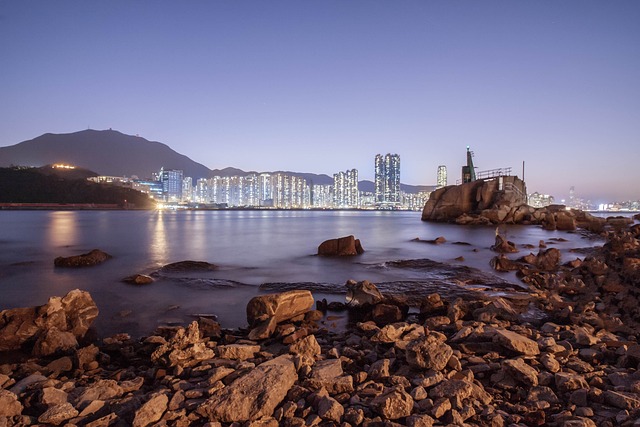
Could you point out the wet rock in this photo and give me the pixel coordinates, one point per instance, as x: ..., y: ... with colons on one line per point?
x: 362, y: 293
x: 502, y: 263
x: 548, y: 260
x: 138, y: 279
x: 89, y: 259
x: 188, y: 266
x: 502, y: 245
x: 429, y: 352
x: 253, y: 395
x: 386, y: 313
x: 342, y: 246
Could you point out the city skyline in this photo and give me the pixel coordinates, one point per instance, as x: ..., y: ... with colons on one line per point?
x: 262, y: 86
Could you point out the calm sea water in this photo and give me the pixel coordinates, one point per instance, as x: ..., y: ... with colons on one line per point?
x: 251, y: 248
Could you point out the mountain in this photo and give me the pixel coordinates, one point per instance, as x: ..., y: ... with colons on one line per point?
x: 106, y: 152
x: 109, y: 152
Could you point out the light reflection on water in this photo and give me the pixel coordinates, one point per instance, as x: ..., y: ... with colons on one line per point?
x: 251, y: 247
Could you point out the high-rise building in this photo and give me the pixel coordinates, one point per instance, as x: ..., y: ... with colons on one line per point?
x: 442, y: 176
x: 345, y: 189
x: 171, y: 180
x: 387, y: 180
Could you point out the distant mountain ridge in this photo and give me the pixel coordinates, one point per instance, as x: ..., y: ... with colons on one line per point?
x: 109, y: 152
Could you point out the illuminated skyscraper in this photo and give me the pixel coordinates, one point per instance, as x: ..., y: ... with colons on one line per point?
x: 387, y: 180
x: 171, y: 184
x: 345, y: 189
x: 442, y: 176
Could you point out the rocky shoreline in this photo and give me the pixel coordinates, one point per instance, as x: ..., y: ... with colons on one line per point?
x: 459, y: 362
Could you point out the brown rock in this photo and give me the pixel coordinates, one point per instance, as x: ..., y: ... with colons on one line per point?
x: 622, y: 400
x: 386, y: 313
x: 151, y: 411
x: 522, y: 372
x: 548, y: 260
x: 138, y: 279
x: 184, y: 266
x: 89, y: 259
x: 330, y: 409
x: 516, y: 342
x: 281, y: 306
x: 237, y: 351
x: 58, y: 414
x: 308, y: 346
x: 362, y: 293
x: 429, y: 352
x: 10, y: 406
x: 502, y: 245
x: 342, y: 246
x: 253, y: 395
x: 74, y: 313
x: 52, y: 341
x: 393, y: 403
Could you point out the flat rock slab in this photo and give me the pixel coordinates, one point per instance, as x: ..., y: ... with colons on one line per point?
x: 516, y: 342
x: 253, y: 395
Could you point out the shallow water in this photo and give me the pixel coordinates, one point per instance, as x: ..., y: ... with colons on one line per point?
x: 250, y: 247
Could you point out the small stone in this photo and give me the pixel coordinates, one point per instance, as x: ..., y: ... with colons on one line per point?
x: 58, y: 414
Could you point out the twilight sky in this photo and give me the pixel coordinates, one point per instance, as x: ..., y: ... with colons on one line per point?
x: 322, y: 86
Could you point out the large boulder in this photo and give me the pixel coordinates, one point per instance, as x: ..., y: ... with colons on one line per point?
x: 52, y: 326
x: 254, y: 395
x: 264, y: 312
x: 89, y: 259
x: 342, y: 246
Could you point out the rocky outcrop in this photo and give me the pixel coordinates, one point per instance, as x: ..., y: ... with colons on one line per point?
x: 55, y: 326
x: 482, y: 203
x: 89, y: 259
x: 497, y: 199
x: 342, y: 246
x: 362, y: 293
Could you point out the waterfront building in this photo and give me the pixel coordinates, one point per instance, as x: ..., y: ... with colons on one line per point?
x: 387, y: 180
x: 442, y: 177
x: 171, y: 180
x: 187, y: 189
x: 538, y: 200
x: 322, y: 196
x: 345, y: 189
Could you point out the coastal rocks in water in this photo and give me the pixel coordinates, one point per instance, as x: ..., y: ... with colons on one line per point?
x: 502, y: 245
x: 53, y: 326
x: 253, y: 395
x: 89, y: 259
x: 138, y: 279
x: 185, y: 266
x: 362, y: 293
x: 342, y: 246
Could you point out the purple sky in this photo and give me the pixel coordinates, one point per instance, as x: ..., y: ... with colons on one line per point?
x: 323, y: 86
